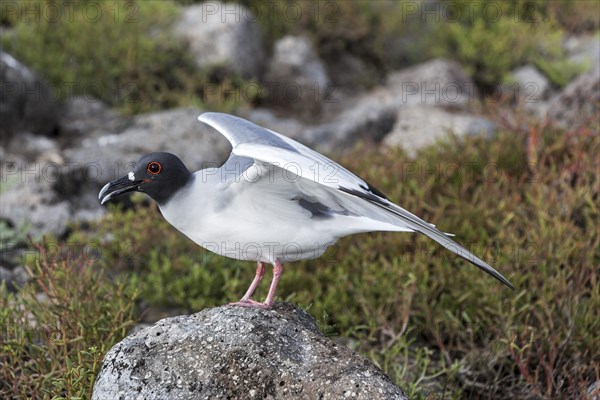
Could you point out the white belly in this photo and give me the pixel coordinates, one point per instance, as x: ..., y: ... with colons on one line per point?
x: 256, y: 231
x: 247, y: 237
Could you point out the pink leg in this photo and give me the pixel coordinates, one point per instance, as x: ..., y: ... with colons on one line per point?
x: 277, y: 270
x: 246, y: 301
x: 260, y: 272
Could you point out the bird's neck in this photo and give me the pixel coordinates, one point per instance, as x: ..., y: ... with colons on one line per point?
x: 178, y: 184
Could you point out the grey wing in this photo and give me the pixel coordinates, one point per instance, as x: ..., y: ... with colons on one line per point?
x: 250, y: 140
x: 238, y: 131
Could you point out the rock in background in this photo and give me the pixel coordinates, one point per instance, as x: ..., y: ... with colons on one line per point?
x: 223, y: 35
x: 583, y: 49
x: 530, y: 89
x: 417, y: 127
x: 29, y: 202
x: 44, y: 186
x: 176, y: 131
x: 27, y: 103
x: 372, y: 116
x: 296, y: 77
x: 238, y: 353
x: 578, y: 103
x: 83, y: 117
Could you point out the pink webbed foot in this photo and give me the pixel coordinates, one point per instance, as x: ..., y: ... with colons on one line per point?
x: 251, y: 304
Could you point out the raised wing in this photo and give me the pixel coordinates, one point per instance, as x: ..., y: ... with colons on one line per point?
x: 261, y: 144
x: 250, y: 140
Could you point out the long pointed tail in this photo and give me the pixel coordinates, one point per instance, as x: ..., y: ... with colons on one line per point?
x: 417, y: 224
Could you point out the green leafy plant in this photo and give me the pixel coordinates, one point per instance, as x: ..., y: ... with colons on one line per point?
x: 490, y: 41
x: 56, y: 329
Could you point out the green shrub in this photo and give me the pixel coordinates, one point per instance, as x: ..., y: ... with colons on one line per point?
x: 491, y: 41
x: 115, y: 51
x: 55, y: 331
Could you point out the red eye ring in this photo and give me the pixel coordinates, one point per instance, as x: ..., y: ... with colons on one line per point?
x: 154, y: 168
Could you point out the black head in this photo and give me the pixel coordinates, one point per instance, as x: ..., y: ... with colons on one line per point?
x: 159, y: 175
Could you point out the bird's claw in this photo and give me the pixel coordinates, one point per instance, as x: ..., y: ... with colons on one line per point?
x: 250, y: 304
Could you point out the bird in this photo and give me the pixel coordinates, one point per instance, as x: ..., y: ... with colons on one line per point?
x: 273, y: 201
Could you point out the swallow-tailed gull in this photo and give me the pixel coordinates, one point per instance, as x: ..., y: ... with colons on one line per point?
x: 273, y: 201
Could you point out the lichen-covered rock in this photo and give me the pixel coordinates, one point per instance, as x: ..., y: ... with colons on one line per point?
x: 232, y: 352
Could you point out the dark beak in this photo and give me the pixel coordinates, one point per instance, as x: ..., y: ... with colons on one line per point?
x: 115, y: 188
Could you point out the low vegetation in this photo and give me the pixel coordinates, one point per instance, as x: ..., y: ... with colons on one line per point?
x: 437, y: 325
x: 55, y: 331
x: 123, y: 52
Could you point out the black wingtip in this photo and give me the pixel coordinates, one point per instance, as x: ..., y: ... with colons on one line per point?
x: 503, y: 280
x: 495, y: 274
x: 507, y: 283
x: 377, y: 198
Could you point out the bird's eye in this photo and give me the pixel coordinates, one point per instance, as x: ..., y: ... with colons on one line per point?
x: 154, y: 168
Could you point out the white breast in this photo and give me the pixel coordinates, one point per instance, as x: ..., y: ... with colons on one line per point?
x: 257, y: 221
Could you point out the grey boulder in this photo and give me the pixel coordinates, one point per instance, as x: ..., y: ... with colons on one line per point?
x: 579, y: 103
x: 238, y: 353
x: 177, y: 131
x: 28, y: 199
x: 439, y: 82
x: 421, y: 126
x: 296, y: 78
x: 44, y: 196
x: 371, y: 116
x: 531, y: 85
x: 583, y: 49
x: 27, y: 103
x: 84, y: 117
x: 223, y: 35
